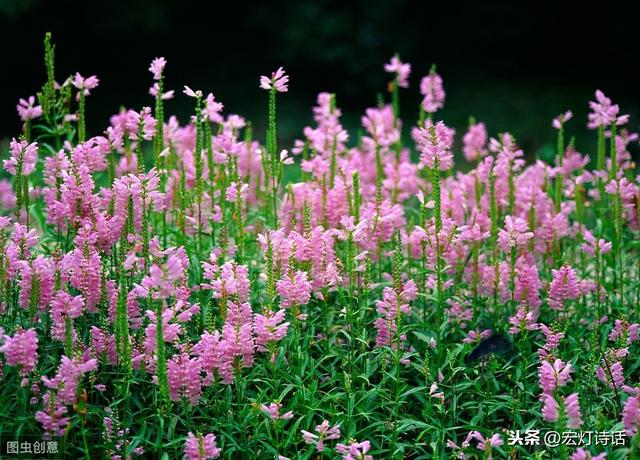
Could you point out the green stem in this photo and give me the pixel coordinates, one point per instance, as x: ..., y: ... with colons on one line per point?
x: 163, y: 382
x: 81, y: 126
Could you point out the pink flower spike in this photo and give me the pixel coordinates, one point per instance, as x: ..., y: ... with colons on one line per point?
x: 324, y: 433
x: 85, y: 84
x: 516, y: 233
x: 604, y: 113
x: 475, y: 142
x: 22, y: 154
x: 549, y: 408
x: 157, y: 67
x: 273, y: 411
x: 435, y: 142
x: 554, y: 375
x: 401, y: 70
x: 355, y: 450
x: 631, y: 415
x: 21, y: 350
x: 564, y: 286
x: 572, y: 408
x: 581, y: 454
x: 201, y: 447
x: 191, y: 93
x: 432, y: 90
x: 153, y: 90
x: 277, y: 81
x: 27, y: 110
x: 561, y: 119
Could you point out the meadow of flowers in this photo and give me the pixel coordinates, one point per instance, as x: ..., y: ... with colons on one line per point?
x: 171, y: 291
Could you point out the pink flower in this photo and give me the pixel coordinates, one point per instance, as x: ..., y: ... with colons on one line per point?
x: 475, y: 142
x: 581, y: 454
x: 273, y: 411
x: 475, y: 337
x: 64, y: 306
x: 381, y: 125
x: 515, y: 234
x: 21, y: 350
x: 85, y: 84
x: 595, y: 246
x: 211, y: 351
x: 391, y: 306
x: 201, y: 447
x: 324, y: 432
x: 52, y: 418
x: 552, y: 338
x: 295, y: 290
x: 564, y: 286
x: 435, y: 143
x: 23, y: 158
x: 522, y: 321
x: 40, y: 270
x: 624, y: 331
x: 82, y: 268
x: 604, y: 113
x: 572, y: 408
x: 277, y: 81
x: 549, y: 408
x: 355, y: 450
x: 237, y: 333
x: 162, y: 279
x: 432, y: 90
x: 483, y: 444
x: 561, y: 119
x: 157, y: 67
x: 191, y: 93
x: 141, y: 123
x: 631, y: 415
x: 611, y: 373
x: 401, y: 70
x: 27, y: 110
x: 269, y: 328
x: 228, y: 280
x: 68, y: 377
x: 457, y: 313
x: 184, y: 378
x: 553, y: 376
x: 212, y: 109
x: 153, y: 90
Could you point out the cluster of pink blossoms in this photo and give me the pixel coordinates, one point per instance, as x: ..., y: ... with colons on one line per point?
x: 277, y: 81
x: 433, y: 91
x: 21, y: 350
x: 435, y: 144
x: 201, y: 447
x: 324, y: 432
x: 355, y: 450
x: 27, y: 110
x: 149, y: 304
x: 402, y: 71
x: 23, y: 158
x: 392, y: 305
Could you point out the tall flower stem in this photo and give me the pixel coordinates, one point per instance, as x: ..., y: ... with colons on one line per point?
x: 559, y: 175
x: 198, y: 171
x: 81, y: 122
x: 437, y: 213
x: 397, y: 286
x: 163, y: 382
x: 600, y: 165
x: 272, y: 161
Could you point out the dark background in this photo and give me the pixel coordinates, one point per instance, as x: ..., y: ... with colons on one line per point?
x: 512, y: 66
